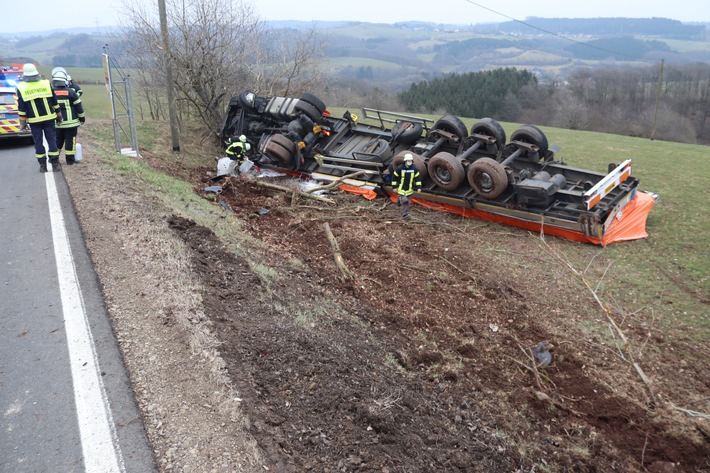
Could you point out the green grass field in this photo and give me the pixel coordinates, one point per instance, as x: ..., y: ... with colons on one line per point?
x: 96, y: 101
x: 341, y: 62
x: 82, y: 75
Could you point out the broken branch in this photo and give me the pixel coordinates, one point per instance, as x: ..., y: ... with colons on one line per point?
x: 691, y: 413
x: 339, y: 262
x: 290, y: 190
x: 336, y: 182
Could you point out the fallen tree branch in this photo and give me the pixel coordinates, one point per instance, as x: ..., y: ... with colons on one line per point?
x: 337, y: 182
x: 292, y: 191
x: 339, y: 262
x: 691, y: 413
x: 527, y: 367
x: 544, y: 397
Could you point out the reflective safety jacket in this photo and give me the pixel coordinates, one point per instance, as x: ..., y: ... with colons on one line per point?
x: 36, y: 101
x: 406, y: 179
x: 236, y: 150
x: 74, y: 86
x: 69, y: 106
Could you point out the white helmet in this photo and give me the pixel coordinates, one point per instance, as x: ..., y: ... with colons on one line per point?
x: 29, y: 70
x: 59, y: 69
x: 408, y: 158
x: 243, y: 139
x: 59, y: 75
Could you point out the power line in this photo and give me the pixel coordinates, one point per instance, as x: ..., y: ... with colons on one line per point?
x: 550, y: 32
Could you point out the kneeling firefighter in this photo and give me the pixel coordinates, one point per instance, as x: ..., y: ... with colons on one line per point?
x: 237, y: 148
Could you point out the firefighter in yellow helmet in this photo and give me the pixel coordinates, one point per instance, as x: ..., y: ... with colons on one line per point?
x: 37, y: 106
x: 405, y: 180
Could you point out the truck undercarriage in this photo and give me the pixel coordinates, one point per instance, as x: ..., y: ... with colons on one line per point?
x: 474, y: 173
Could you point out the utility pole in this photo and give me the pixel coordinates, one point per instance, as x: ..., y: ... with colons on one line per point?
x: 655, y: 108
x: 169, y: 76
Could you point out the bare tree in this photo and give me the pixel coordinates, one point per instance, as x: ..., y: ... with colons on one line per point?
x: 285, y: 62
x: 570, y: 112
x: 218, y: 48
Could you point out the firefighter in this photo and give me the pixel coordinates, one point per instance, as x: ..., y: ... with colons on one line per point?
x: 75, y: 86
x: 406, y: 180
x: 237, y: 149
x: 37, y: 106
x: 72, y: 112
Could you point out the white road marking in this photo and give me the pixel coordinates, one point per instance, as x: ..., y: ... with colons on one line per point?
x: 99, y: 441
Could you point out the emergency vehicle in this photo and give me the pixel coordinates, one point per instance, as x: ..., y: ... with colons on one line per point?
x: 9, y: 118
x: 477, y: 174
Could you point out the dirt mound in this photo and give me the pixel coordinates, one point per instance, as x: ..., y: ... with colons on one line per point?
x: 421, y: 361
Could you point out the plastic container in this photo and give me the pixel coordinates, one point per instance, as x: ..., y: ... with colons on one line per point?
x: 77, y: 153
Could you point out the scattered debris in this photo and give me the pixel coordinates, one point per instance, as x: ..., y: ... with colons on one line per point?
x: 542, y: 354
x: 213, y: 189
x: 225, y: 205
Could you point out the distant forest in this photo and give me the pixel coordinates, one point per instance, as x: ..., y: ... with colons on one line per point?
x: 669, y: 104
x: 608, y: 27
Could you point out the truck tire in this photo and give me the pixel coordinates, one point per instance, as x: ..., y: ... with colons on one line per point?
x: 407, y: 133
x: 446, y: 171
x: 418, y: 163
x: 532, y: 135
x: 308, y: 110
x: 489, y: 127
x: 377, y: 149
x: 315, y: 101
x: 281, y: 149
x: 452, y: 124
x: 247, y: 100
x: 487, y: 177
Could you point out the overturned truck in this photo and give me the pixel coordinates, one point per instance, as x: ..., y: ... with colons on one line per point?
x: 475, y: 173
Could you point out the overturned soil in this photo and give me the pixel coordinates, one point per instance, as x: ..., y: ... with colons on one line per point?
x: 409, y: 346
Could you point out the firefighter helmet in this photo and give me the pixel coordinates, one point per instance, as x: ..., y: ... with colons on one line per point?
x: 408, y: 158
x: 59, y: 69
x: 29, y: 70
x: 243, y: 139
x: 59, y: 75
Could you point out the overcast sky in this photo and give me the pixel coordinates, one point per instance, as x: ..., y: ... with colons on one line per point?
x: 49, y: 14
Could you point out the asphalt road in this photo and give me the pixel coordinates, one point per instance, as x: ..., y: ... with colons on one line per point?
x: 65, y: 400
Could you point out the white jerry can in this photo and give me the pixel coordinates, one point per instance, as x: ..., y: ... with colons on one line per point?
x: 246, y: 166
x: 77, y: 153
x: 226, y: 166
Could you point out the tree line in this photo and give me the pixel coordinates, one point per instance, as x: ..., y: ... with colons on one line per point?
x: 608, y: 26
x: 662, y: 102
x: 461, y: 94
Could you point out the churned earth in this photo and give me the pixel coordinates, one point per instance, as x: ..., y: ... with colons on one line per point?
x: 331, y: 336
